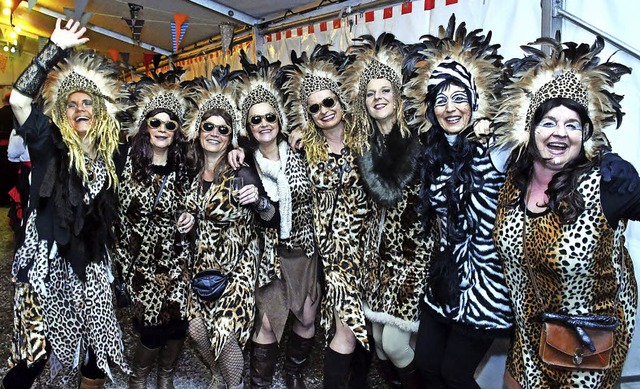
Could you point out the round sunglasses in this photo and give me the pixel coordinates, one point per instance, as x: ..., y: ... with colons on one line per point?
x: 208, y: 127
x: 327, y: 102
x: 169, y: 125
x: 257, y: 119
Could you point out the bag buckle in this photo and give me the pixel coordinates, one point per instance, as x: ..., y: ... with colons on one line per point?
x: 577, y: 356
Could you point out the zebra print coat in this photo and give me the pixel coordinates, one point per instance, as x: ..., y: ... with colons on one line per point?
x: 482, y: 301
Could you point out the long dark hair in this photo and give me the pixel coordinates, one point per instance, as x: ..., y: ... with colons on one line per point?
x: 564, y: 199
x: 142, y: 153
x: 222, y: 166
x: 251, y: 143
x: 438, y: 153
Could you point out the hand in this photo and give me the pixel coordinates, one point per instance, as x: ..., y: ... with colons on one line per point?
x: 235, y: 158
x: 482, y: 129
x: 185, y: 222
x: 248, y: 195
x: 295, y: 140
x: 69, y: 36
x: 618, y: 173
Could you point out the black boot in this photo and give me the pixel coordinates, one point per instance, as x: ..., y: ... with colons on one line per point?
x: 263, y: 364
x: 360, y: 366
x: 410, y: 377
x: 298, y: 350
x: 336, y: 369
x: 388, y: 372
x: 167, y: 363
x: 143, y: 360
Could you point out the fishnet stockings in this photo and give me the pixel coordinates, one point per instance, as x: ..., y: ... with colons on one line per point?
x: 198, y: 333
x: 231, y: 363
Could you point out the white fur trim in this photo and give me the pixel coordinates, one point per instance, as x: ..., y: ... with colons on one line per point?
x: 385, y: 318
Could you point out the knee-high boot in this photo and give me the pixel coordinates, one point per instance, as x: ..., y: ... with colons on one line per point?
x: 263, y: 364
x: 298, y: 350
x: 410, y: 376
x: 88, y: 383
x: 336, y: 369
x: 167, y: 364
x: 360, y: 366
x: 143, y: 360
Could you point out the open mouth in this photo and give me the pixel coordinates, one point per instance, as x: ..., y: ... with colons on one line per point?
x: 453, y: 119
x: 379, y: 106
x: 328, y: 118
x: 557, y: 147
x: 82, y: 118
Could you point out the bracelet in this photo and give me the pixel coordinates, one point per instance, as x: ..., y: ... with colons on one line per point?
x: 262, y: 204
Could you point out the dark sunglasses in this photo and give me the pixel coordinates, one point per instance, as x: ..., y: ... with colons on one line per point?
x: 170, y: 125
x: 257, y: 119
x: 208, y: 127
x: 328, y: 102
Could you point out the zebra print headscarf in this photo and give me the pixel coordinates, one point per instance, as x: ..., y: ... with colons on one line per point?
x: 450, y: 69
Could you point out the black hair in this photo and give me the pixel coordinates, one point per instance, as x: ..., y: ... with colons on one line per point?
x: 564, y: 200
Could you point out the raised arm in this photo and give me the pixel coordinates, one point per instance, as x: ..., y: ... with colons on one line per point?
x: 28, y: 84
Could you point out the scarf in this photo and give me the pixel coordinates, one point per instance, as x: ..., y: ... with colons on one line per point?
x: 276, y: 185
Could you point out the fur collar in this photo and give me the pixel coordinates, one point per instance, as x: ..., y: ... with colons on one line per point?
x: 388, y: 165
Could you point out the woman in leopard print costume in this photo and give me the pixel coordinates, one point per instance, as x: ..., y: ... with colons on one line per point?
x: 374, y: 81
x: 63, y: 301
x: 151, y: 219
x: 343, y: 213
x: 226, y: 237
x: 559, y: 229
x: 288, y: 271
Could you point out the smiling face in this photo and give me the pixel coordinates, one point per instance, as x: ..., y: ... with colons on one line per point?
x: 379, y: 99
x: 160, y: 137
x: 452, y: 109
x: 80, y: 112
x: 558, y: 137
x: 326, y: 118
x: 213, y: 141
x: 264, y: 132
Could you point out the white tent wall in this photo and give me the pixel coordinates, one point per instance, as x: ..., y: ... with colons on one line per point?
x: 513, y: 23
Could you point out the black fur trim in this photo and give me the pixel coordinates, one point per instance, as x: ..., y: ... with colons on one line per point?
x: 82, y: 231
x: 388, y: 165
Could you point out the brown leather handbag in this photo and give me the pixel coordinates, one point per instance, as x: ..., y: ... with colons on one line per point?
x: 581, y: 342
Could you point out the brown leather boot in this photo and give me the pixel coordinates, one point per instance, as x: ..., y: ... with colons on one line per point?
x: 298, y: 350
x: 410, y: 377
x: 167, y: 363
x: 263, y: 364
x: 143, y: 360
x: 88, y: 383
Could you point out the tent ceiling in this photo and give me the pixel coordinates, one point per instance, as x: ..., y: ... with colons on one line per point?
x: 107, y: 29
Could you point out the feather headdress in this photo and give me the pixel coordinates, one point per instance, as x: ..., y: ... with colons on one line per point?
x: 87, y: 72
x: 95, y: 75
x: 469, y: 58
x: 319, y: 72
x: 371, y: 59
x: 258, y: 85
x: 571, y: 71
x: 210, y: 95
x: 150, y: 96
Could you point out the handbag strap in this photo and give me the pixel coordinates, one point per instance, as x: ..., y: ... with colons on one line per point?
x: 153, y: 208
x: 530, y: 268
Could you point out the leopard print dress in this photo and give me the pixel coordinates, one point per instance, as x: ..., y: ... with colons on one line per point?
x: 402, y: 272
x: 154, y: 268
x: 227, y: 241
x: 56, y: 309
x: 577, y: 268
x: 343, y: 215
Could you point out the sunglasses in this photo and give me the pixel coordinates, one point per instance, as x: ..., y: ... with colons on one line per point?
x: 208, y: 127
x: 257, y: 119
x: 169, y: 125
x: 328, y: 102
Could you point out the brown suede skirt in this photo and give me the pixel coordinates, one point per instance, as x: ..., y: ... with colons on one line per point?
x: 277, y: 298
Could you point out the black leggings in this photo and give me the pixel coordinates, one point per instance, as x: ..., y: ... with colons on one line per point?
x: 22, y: 377
x: 153, y: 337
x: 446, y: 356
